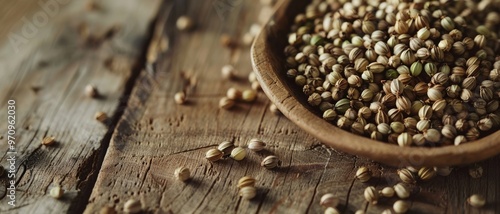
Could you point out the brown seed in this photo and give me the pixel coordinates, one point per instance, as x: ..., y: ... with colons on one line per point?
x: 228, y: 72
x: 101, y: 116
x: 226, y: 103
x: 184, y: 23
x: 407, y: 176
x: 132, y: 206
x: 256, y: 145
x: 363, y: 174
x: 248, y: 192
x: 270, y: 162
x: 107, y: 210
x: 91, y: 91
x: 426, y: 173
x: 182, y: 173
x: 329, y: 200
x: 213, y: 155
x: 48, y: 141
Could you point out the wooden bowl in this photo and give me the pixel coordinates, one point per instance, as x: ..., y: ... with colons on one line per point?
x: 268, y: 63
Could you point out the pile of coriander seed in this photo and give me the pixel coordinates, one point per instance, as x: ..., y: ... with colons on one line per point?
x: 405, y: 72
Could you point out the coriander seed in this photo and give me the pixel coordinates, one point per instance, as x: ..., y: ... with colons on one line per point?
x: 180, y: 98
x: 249, y: 95
x: 363, y: 174
x: 233, y: 93
x: 248, y: 192
x: 401, y: 190
x: 132, y: 206
x: 226, y: 147
x: 182, y: 173
x: 48, y: 141
x: 238, y: 153
x: 91, y: 91
x: 331, y: 210
x: 476, y: 200
x: 226, y: 103
x: 274, y: 109
x: 401, y: 206
x: 407, y: 176
x: 426, y: 173
x: 329, y: 200
x: 56, y: 192
x: 387, y: 192
x: 246, y: 181
x: 256, y: 145
x: 184, y: 23
x: 214, y: 155
x: 371, y: 195
x: 101, y: 116
x: 271, y: 162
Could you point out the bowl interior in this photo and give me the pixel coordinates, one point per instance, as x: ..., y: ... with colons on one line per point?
x: 268, y: 61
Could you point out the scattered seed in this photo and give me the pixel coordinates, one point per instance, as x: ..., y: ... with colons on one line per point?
x: 48, y: 141
x: 270, y: 162
x: 238, y: 153
x: 256, y: 145
x: 246, y: 181
x: 213, y: 155
x: 180, y: 98
x: 132, y: 206
x: 101, y: 116
x: 182, y: 173
x: 184, y: 23
x: 476, y: 200
x: 248, y: 192
x: 56, y: 192
x: 329, y: 200
x: 91, y: 91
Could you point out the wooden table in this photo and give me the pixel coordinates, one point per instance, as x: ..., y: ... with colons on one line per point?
x: 133, y: 53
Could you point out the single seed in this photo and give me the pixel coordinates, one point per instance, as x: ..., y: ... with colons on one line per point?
x: 233, y: 93
x: 426, y: 173
x: 48, y: 141
x: 182, y: 173
x: 101, y: 116
x: 238, y: 153
x: 329, y: 200
x: 363, y: 174
x: 184, y: 23
x: 401, y: 206
x: 476, y: 200
x: 248, y: 192
x: 226, y: 147
x: 476, y: 171
x: 407, y: 176
x: 214, y: 155
x: 226, y: 103
x: 180, y: 98
x: 371, y: 195
x: 246, y: 181
x: 401, y: 190
x: 91, y: 91
x: 107, y: 210
x: 270, y: 162
x: 56, y: 192
x: 331, y: 210
x: 387, y: 192
x: 249, y: 95
x: 132, y: 206
x: 256, y: 144
x: 274, y: 109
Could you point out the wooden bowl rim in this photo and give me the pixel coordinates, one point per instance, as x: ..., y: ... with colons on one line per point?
x: 277, y: 91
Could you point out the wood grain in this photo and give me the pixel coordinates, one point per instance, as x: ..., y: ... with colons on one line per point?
x: 155, y: 136
x: 46, y: 78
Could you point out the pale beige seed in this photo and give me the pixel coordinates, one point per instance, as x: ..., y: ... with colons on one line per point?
x: 401, y: 206
x: 256, y: 145
x: 48, y: 141
x: 107, y: 210
x: 387, y: 192
x: 248, y: 192
x: 91, y: 91
x: 228, y: 72
x: 331, y: 210
x: 476, y: 200
x: 252, y: 77
x: 255, y: 86
x: 249, y: 95
x: 360, y: 212
x: 180, y: 98
x: 213, y: 155
x: 56, y: 192
x: 274, y: 109
x: 401, y: 190
x: 329, y: 200
x: 101, y: 116
x: 226, y: 103
x: 238, y: 153
x: 246, y: 181
x: 233, y: 93
x: 184, y: 23
x: 363, y: 174
x: 426, y: 173
x: 132, y: 206
x: 371, y: 195
x: 407, y: 176
x: 271, y: 162
x: 182, y: 173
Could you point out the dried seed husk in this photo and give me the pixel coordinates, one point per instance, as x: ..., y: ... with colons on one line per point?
x: 396, y: 87
x: 363, y: 174
x: 403, y: 104
x: 381, y: 117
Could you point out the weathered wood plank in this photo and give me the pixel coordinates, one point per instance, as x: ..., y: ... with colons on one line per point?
x: 155, y: 136
x: 46, y: 77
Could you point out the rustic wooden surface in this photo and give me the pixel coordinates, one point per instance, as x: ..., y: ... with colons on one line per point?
x: 153, y: 135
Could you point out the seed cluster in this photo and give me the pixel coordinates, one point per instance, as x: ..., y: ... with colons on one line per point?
x: 419, y: 73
